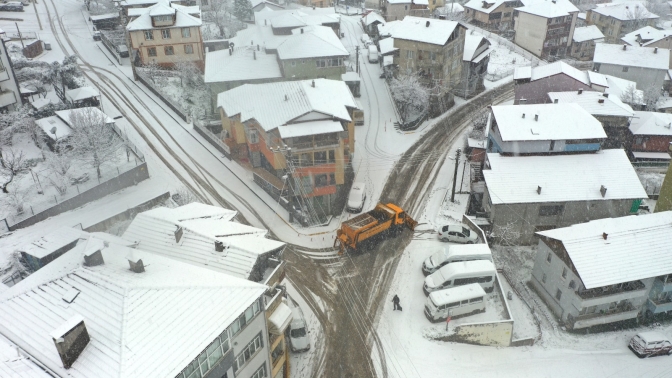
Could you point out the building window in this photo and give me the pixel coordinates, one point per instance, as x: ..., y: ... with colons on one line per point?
x: 564, y: 272
x: 293, y: 63
x: 320, y: 157
x: 410, y: 54
x: 549, y: 257
x: 321, y: 63
x: 332, y: 156
x: 572, y: 284
x: 303, y: 61
x: 165, y: 33
x: 596, y: 67
x: 321, y: 181
x: 247, y: 353
x: 151, y: 51
x: 205, y: 361
x: 543, y: 278
x: 625, y: 69
x: 245, y: 318
x: 432, y: 56
x: 551, y: 210
x: 186, y: 32
x: 558, y: 294
x: 188, y: 49
x: 163, y: 18
x: 149, y: 35
x: 168, y: 50
x: 261, y: 372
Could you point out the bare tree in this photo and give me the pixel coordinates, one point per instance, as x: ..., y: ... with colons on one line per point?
x: 17, y: 199
x: 221, y: 14
x: 631, y: 96
x: 59, y: 164
x: 506, y: 234
x: 12, y: 165
x: 195, y: 96
x: 410, y: 94
x: 638, y: 15
x: 93, y: 140
x: 652, y: 96
x: 479, y: 122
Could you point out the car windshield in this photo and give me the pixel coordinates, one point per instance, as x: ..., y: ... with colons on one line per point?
x: 466, y: 231
x: 298, y: 332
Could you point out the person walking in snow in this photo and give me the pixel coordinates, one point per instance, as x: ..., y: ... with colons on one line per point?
x: 395, y: 300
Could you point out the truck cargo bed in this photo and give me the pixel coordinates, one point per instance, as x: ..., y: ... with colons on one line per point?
x: 360, y: 221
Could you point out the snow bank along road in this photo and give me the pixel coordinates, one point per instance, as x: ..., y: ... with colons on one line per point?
x: 347, y: 294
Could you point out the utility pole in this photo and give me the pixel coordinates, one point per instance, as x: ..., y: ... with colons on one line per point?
x: 457, y: 163
x: 20, y: 37
x: 357, y: 59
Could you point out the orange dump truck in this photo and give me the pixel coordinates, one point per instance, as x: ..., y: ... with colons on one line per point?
x: 366, y: 229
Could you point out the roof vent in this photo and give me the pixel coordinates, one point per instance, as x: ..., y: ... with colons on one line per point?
x: 301, y: 30
x: 600, y: 100
x: 178, y: 234
x: 70, y: 339
x: 258, y: 47
x: 603, y: 190
x: 523, y: 115
x: 605, y: 95
x: 254, y: 55
x: 219, y: 246
x: 427, y: 24
x: 655, y: 50
x: 536, y: 117
x: 136, y: 266
x: 538, y: 189
x: 580, y: 90
x: 312, y: 84
x: 624, y: 45
x: 286, y: 98
x: 70, y: 295
x: 553, y: 1
x: 555, y: 101
x: 94, y: 258
x: 604, y: 235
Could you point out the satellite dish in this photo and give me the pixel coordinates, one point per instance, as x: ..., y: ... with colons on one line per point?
x: 53, y: 130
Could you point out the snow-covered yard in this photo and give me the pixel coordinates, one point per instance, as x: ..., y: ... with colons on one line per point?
x: 651, y: 178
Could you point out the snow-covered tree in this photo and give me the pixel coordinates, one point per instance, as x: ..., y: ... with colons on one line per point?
x: 652, y: 97
x: 242, y: 9
x: 222, y: 15
x: 507, y: 234
x: 12, y: 165
x: 59, y: 165
x: 638, y: 15
x: 68, y: 72
x: 92, y: 140
x: 183, y: 196
x: 479, y: 122
x: 410, y: 94
x: 17, y: 199
x: 195, y: 95
x: 631, y: 96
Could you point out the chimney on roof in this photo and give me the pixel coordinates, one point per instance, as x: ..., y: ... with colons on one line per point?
x: 265, y: 23
x: 136, y: 266
x: 603, y: 190
x: 286, y: 98
x: 538, y: 189
x: 427, y: 24
x: 555, y: 101
x: 606, y: 95
x: 70, y: 339
x: 178, y: 234
x: 254, y: 55
x: 624, y: 47
x: 553, y: 1
x: 219, y: 246
x: 312, y: 84
x: 258, y: 48
x: 604, y: 235
x: 655, y: 50
x: 94, y: 258
x: 580, y: 90
x: 301, y: 30
x: 523, y: 115
x: 536, y: 117
x: 600, y: 100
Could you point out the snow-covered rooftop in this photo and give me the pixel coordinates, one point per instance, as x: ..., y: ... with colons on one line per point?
x: 310, y: 128
x: 371, y: 18
x: 291, y: 18
x: 15, y: 364
x: 562, y: 178
x: 625, y: 11
x: 416, y: 29
x: 587, y: 33
x: 321, y: 41
x: 133, y: 319
x: 635, y: 248
x: 546, y: 122
x: 540, y: 72
x: 632, y: 56
x: 471, y: 43
x: 387, y: 46
x: 276, y: 104
x: 449, y: 9
x: 144, y: 21
x: 81, y: 93
x: 54, y: 127
x: 161, y: 10
x: 65, y: 114
x: 385, y: 30
x: 549, y: 8
x: 202, y: 226
x: 594, y: 103
x: 51, y: 242
x: 651, y: 123
x: 646, y: 36
x: 484, y: 6
x: 246, y: 63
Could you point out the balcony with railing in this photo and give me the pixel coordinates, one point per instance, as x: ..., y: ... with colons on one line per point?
x: 313, y: 142
x: 657, y: 306
x: 621, y: 312
x: 612, y: 293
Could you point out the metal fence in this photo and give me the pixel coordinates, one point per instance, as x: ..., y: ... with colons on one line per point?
x: 216, y: 141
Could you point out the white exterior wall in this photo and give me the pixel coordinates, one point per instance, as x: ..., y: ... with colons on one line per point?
x: 244, y: 337
x: 530, y: 32
x: 554, y: 281
x: 526, y: 147
x: 644, y: 77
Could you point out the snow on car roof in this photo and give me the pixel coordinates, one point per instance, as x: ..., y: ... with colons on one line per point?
x: 276, y: 104
x: 635, y: 248
x: 415, y: 29
x: 587, y: 33
x: 515, y: 179
x: 561, y: 121
x: 472, y: 267
x: 467, y: 249
x: 650, y: 336
x: 651, y: 123
x: 140, y: 313
x: 624, y: 11
x: 632, y: 56
x: 595, y: 103
x: 548, y: 8
x: 456, y: 294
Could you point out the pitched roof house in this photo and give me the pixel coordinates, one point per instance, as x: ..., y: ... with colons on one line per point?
x: 646, y: 66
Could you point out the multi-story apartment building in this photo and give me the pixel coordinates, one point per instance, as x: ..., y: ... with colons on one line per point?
x: 546, y: 28
x: 618, y: 19
x: 646, y: 66
x: 398, y: 9
x: 432, y: 48
x: 496, y: 15
x: 10, y: 97
x: 649, y: 36
x: 584, y: 40
x: 606, y: 270
x: 298, y: 137
x: 317, y: 53
x: 166, y: 36
x: 103, y: 309
x: 475, y: 59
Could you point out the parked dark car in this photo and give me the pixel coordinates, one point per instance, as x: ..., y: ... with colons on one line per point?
x: 12, y: 6
x: 96, y: 36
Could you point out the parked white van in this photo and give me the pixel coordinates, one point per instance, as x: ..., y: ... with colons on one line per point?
x: 456, y: 253
x: 373, y: 54
x: 462, y: 273
x: 455, y: 302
